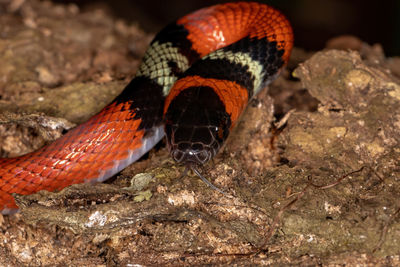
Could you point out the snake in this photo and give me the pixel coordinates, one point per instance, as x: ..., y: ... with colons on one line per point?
x: 196, y: 78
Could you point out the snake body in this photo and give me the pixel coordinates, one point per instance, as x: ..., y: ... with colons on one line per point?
x: 195, y: 80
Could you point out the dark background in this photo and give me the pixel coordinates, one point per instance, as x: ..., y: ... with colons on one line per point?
x: 314, y: 21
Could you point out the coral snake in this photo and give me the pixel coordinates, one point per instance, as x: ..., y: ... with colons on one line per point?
x: 195, y: 80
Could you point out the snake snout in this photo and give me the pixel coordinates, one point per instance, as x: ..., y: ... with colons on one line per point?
x: 191, y: 153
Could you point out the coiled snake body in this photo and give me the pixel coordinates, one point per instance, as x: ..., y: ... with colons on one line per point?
x: 195, y: 80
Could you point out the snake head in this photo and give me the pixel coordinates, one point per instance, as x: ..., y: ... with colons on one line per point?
x: 184, y: 149
x: 196, y: 126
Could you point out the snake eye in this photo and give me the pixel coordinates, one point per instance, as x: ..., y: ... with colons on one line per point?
x: 222, y: 130
x: 220, y: 133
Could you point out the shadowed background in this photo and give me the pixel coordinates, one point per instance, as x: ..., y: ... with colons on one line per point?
x: 314, y: 21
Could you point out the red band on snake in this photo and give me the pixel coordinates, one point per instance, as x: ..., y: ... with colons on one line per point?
x: 195, y: 80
